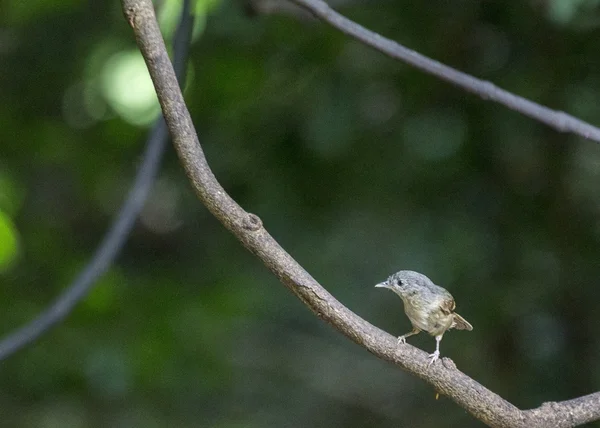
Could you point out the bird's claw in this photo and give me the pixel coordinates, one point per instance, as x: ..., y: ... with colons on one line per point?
x: 401, y: 340
x: 433, y: 357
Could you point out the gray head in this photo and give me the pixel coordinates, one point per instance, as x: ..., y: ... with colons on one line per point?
x: 405, y: 279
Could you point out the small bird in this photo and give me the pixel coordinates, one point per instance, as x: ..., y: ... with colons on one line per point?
x: 429, y: 307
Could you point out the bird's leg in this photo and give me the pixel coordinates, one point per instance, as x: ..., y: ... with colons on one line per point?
x: 433, y: 357
x: 402, y: 339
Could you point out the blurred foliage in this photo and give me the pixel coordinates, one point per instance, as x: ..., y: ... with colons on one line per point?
x: 359, y: 165
x: 8, y: 242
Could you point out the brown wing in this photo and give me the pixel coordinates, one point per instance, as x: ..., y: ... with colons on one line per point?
x: 460, y: 323
x: 447, y: 305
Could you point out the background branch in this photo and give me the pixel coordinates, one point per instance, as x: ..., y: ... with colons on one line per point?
x: 445, y: 377
x: 118, y: 233
x: 558, y: 120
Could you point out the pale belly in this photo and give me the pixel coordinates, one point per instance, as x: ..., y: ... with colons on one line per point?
x: 428, y: 318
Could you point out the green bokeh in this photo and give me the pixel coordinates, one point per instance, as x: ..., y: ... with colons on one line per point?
x: 9, y: 242
x: 357, y: 164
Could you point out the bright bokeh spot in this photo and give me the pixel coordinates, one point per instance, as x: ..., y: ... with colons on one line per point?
x: 128, y: 89
x: 8, y: 242
x: 169, y: 15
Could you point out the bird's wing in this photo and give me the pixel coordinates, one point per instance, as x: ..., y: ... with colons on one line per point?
x: 447, y: 305
x: 460, y: 323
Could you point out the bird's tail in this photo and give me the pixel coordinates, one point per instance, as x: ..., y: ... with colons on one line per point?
x: 460, y: 323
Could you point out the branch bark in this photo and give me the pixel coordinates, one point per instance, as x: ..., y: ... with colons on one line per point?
x: 444, y: 377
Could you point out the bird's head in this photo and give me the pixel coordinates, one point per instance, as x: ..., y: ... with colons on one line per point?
x: 400, y: 281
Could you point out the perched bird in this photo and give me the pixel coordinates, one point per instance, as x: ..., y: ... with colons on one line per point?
x: 428, y: 307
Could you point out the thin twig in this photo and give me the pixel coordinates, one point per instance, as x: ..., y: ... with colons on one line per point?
x: 444, y: 377
x: 558, y: 120
x: 118, y: 233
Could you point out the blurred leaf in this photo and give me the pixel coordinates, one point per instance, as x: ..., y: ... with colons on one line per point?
x: 8, y: 242
x: 127, y: 87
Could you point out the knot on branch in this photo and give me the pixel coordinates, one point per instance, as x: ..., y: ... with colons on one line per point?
x: 130, y: 15
x: 252, y: 222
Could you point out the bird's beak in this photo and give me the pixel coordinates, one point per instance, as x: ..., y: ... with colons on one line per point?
x: 383, y: 285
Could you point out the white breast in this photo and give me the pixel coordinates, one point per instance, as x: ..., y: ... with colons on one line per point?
x: 427, y: 316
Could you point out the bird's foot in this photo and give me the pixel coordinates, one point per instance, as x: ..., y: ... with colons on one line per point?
x: 401, y: 340
x: 433, y: 357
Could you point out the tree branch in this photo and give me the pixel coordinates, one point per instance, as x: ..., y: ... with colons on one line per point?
x: 444, y: 377
x: 558, y: 120
x: 116, y: 236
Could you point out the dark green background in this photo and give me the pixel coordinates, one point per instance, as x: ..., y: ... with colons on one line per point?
x: 358, y: 165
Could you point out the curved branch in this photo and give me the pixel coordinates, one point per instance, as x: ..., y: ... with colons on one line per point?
x: 445, y: 378
x: 558, y: 120
x: 117, y: 235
